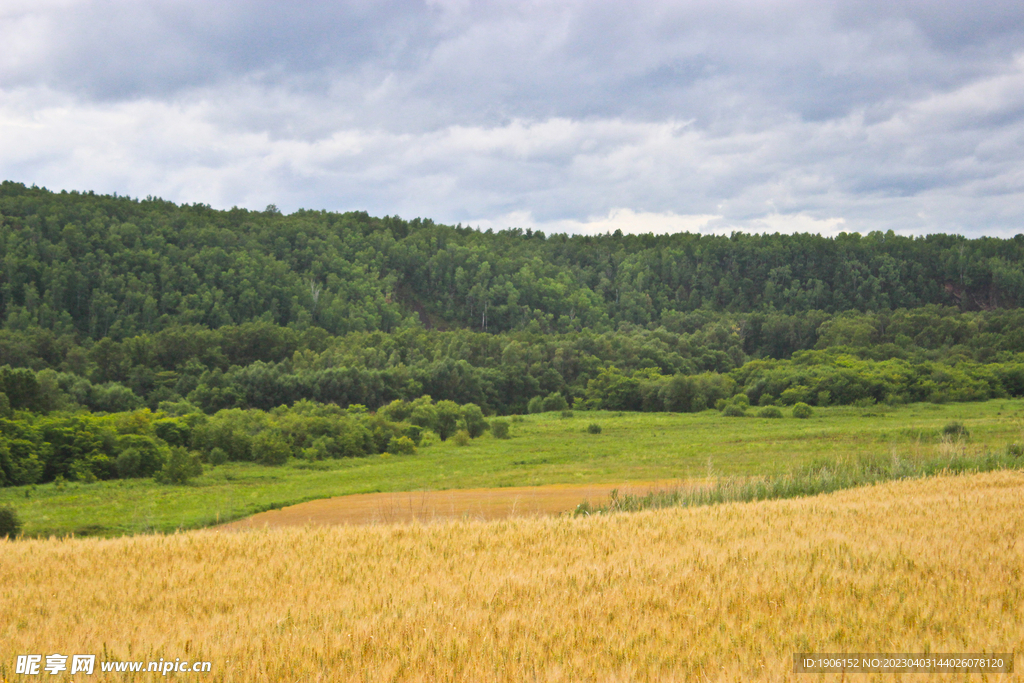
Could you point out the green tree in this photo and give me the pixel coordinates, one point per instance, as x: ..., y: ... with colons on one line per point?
x: 473, y: 420
x: 448, y: 414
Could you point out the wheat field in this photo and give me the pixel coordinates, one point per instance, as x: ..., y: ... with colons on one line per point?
x: 729, y: 592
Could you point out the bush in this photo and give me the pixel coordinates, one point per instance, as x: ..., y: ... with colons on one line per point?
x: 448, y: 414
x: 414, y: 432
x: 593, y: 428
x: 423, y: 415
x: 1015, y: 449
x: 10, y: 523
x: 956, y: 430
x: 769, y: 412
x: 173, y: 432
x: 323, y: 447
x: 180, y: 467
x: 536, y: 405
x: 555, y: 401
x: 802, y: 410
x: 461, y: 438
x: 141, y: 456
x: 499, y: 428
x: 734, y: 410
x: 128, y: 463
x: 217, y: 456
x: 396, y: 411
x: 566, y: 414
x: 401, y: 445
x: 270, y: 449
x: 517, y: 418
x: 473, y: 420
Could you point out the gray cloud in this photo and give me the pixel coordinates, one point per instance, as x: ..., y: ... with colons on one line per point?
x: 868, y: 115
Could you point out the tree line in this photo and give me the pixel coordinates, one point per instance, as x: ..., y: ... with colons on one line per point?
x: 100, y: 266
x: 262, y: 365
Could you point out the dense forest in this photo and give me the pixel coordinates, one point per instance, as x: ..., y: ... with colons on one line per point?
x: 141, y: 326
x: 101, y: 266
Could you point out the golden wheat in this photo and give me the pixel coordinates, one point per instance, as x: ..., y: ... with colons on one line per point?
x: 722, y: 593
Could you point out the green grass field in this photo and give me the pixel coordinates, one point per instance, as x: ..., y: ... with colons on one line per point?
x: 545, y: 449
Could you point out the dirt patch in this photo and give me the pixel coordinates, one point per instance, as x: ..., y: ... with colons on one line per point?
x: 424, y: 506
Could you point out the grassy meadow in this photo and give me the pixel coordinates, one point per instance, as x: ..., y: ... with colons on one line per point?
x: 545, y: 449
x: 722, y: 593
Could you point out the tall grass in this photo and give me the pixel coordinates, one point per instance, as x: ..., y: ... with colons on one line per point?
x: 952, y: 456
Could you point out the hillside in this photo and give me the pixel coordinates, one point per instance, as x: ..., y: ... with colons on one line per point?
x: 113, y: 266
x: 131, y: 327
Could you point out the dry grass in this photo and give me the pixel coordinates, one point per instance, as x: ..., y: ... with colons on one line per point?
x: 432, y: 506
x: 728, y: 592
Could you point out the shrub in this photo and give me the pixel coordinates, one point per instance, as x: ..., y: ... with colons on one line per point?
x: 555, y: 401
x: 180, y: 467
x: 423, y: 415
x: 173, y: 432
x: 128, y: 463
x: 956, y: 430
x: 517, y: 418
x: 461, y: 438
x: 19, y: 462
x: 593, y: 428
x: 414, y: 432
x: 1015, y: 449
x: 770, y: 412
x: 566, y: 413
x: 270, y: 449
x: 499, y: 428
x: 396, y: 411
x: 401, y: 445
x: 141, y: 456
x: 802, y: 410
x: 10, y: 523
x: 448, y: 414
x: 473, y: 420
x: 323, y: 447
x: 536, y: 405
x: 217, y: 456
x: 734, y: 410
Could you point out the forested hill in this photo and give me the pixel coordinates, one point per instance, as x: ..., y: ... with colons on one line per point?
x: 140, y: 336
x: 97, y: 266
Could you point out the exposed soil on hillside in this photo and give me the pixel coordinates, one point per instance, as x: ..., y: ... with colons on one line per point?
x: 424, y: 506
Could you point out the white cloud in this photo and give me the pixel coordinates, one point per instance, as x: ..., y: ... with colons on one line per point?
x: 626, y: 220
x: 557, y: 114
x: 794, y: 223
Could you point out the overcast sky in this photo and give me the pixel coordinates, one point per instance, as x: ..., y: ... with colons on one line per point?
x: 816, y: 116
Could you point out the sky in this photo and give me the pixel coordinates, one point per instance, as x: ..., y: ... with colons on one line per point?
x: 587, y: 116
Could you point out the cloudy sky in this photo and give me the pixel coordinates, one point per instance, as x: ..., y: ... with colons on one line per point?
x: 562, y: 115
